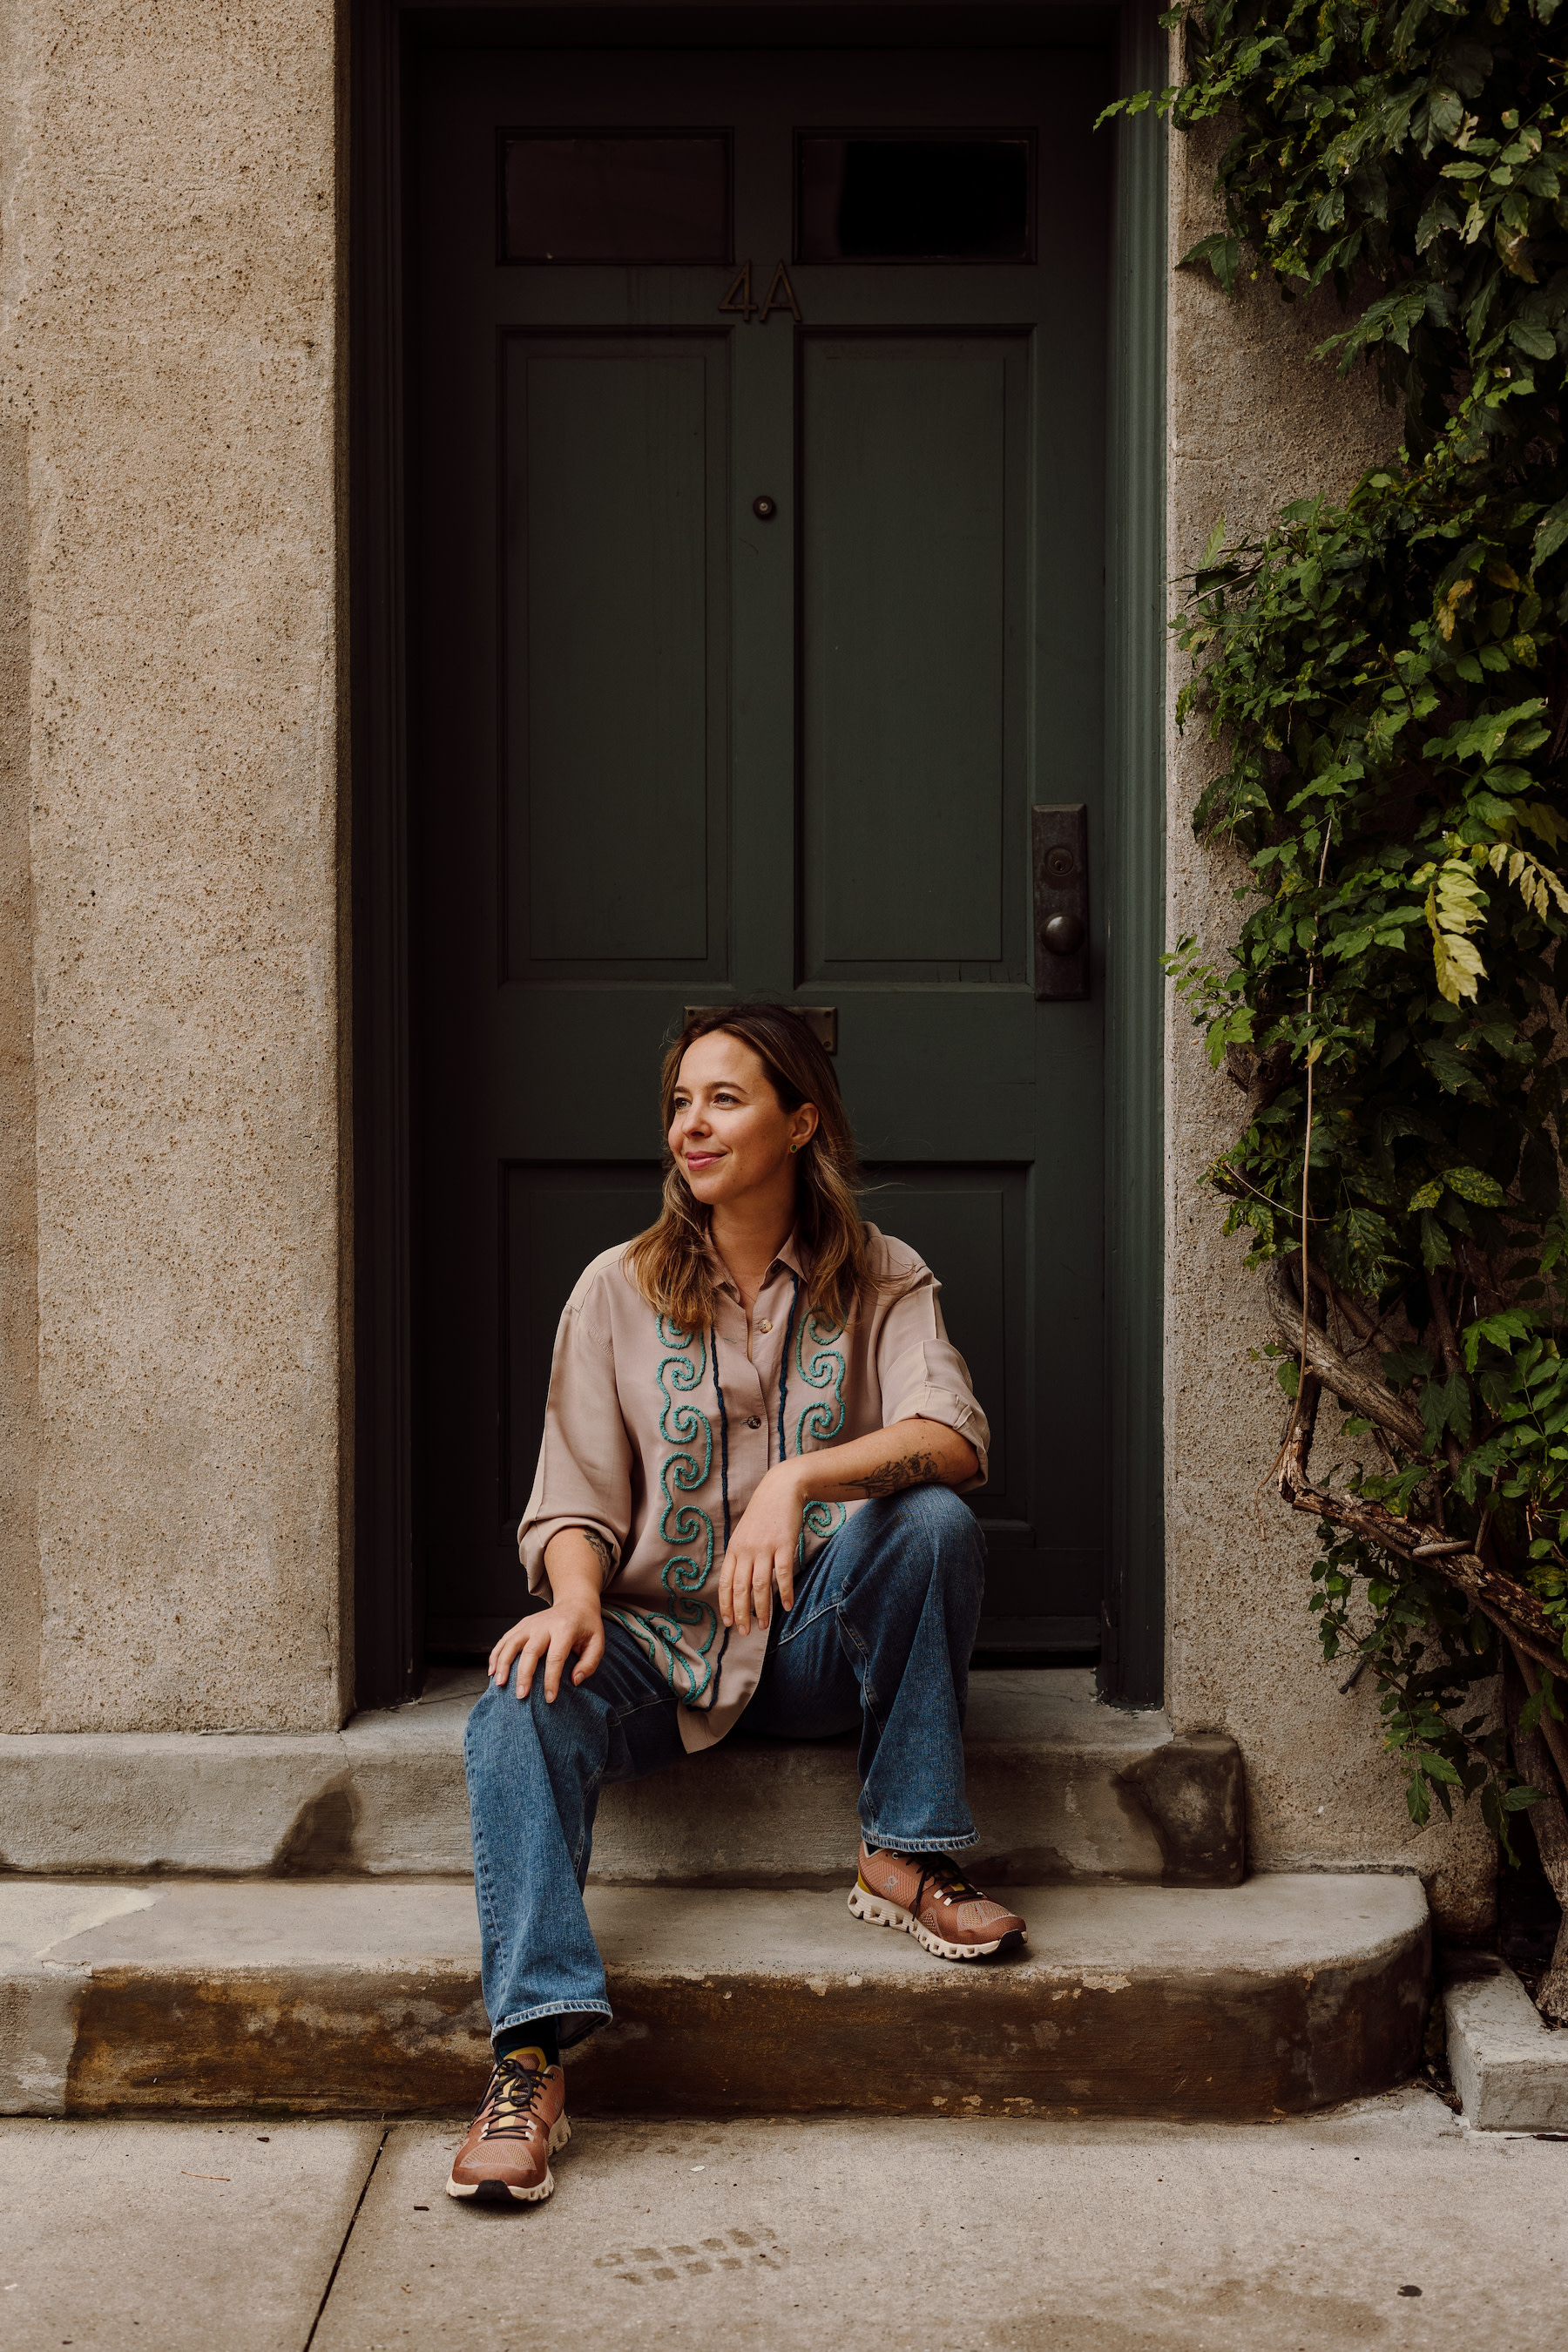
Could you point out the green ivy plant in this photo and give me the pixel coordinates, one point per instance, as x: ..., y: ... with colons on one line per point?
x: 1388, y: 678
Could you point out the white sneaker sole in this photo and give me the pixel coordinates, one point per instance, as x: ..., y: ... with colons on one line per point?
x: 880, y: 1913
x: 560, y: 2133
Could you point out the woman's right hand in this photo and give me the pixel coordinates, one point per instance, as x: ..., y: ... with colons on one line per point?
x: 572, y: 1626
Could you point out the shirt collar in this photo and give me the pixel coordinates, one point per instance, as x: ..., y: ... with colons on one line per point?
x: 793, y: 1255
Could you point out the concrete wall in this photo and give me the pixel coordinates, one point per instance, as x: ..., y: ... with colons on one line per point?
x: 171, y: 895
x: 1254, y: 422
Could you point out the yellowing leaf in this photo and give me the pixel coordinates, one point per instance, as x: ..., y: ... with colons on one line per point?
x: 1453, y: 908
x: 1458, y: 966
x: 1447, y: 611
x: 1460, y: 904
x: 1513, y: 250
x: 1536, y: 884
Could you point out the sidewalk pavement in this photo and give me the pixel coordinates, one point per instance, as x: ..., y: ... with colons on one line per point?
x: 940, y: 2236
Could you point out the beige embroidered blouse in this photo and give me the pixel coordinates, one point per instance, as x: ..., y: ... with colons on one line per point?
x: 657, y: 1439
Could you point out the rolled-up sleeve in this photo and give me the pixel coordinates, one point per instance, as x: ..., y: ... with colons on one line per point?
x: 922, y: 1372
x: 584, y: 1474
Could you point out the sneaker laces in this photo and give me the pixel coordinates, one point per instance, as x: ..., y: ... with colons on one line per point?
x: 942, y: 1872
x: 508, y: 2109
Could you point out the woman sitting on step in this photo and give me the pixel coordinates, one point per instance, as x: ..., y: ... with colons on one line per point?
x: 755, y: 1399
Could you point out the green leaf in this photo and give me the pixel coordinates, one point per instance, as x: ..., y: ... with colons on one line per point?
x: 1402, y: 1365
x: 1435, y: 1247
x: 1513, y: 1323
x: 1446, y: 1065
x: 1534, y: 340
x: 1223, y: 254
x: 1437, y: 1768
x: 1445, y: 1405
x: 1475, y: 1184
x: 1549, y: 533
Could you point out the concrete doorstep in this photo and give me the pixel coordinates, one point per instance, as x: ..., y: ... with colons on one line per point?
x: 1279, y: 1996
x: 1067, y: 1788
x: 1510, y: 2067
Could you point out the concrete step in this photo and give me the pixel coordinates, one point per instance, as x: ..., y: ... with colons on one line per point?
x: 1278, y: 1996
x: 1063, y: 1787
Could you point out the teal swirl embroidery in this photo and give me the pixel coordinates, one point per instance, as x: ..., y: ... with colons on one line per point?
x: 658, y: 1633
x: 684, y: 1525
x: 824, y: 1417
x: 688, y: 1466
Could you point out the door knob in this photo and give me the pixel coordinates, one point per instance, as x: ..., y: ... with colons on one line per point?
x: 1061, y: 902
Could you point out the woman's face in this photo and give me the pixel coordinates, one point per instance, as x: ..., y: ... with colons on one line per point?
x: 730, y: 1134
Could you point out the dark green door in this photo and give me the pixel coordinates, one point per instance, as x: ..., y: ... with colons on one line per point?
x: 742, y: 647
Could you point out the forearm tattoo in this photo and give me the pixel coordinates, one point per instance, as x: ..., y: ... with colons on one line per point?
x: 597, y: 1544
x: 913, y: 1470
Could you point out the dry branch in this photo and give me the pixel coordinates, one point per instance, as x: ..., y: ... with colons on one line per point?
x: 1361, y: 1391
x: 1519, y: 1611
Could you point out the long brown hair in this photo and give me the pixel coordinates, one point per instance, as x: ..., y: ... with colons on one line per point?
x: 669, y: 1262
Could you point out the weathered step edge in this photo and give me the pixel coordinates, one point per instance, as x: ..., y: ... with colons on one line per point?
x: 1510, y: 2067
x: 1277, y: 1997
x: 1063, y: 1788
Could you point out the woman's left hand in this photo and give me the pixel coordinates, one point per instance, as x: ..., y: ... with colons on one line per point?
x: 762, y: 1549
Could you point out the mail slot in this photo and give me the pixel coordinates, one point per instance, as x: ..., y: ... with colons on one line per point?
x: 821, y: 1020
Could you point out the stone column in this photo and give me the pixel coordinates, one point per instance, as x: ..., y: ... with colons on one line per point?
x: 1254, y: 422
x: 175, y: 1281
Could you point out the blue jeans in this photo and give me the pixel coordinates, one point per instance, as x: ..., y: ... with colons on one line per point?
x: 878, y: 1638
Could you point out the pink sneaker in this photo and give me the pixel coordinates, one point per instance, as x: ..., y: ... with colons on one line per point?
x: 928, y: 1896
x: 521, y: 2123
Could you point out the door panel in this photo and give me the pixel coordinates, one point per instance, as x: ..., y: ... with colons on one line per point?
x: 913, y: 514
x: 664, y: 751
x: 616, y: 484
x: 973, y: 1222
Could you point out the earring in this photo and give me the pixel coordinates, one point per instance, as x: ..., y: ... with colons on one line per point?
x: 795, y: 1147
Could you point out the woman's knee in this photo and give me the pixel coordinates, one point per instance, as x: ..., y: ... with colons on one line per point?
x: 944, y: 1530
x: 488, y: 1726
x: 500, y: 1721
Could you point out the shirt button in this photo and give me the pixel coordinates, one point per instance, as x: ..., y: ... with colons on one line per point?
x: 754, y: 1421
x: 764, y: 1324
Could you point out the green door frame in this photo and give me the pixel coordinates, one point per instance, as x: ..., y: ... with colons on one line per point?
x: 388, y: 1602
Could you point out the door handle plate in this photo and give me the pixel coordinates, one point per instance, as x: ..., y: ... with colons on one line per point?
x: 1060, y: 843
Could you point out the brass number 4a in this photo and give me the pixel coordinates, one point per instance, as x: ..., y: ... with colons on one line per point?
x: 739, y: 296
x: 780, y: 295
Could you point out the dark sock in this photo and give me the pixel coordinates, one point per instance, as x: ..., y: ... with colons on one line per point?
x: 540, y: 2033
